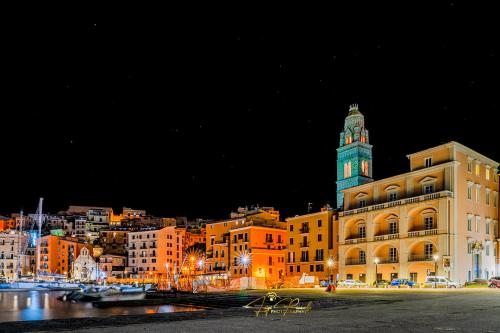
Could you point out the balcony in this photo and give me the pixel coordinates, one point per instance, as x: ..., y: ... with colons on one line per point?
x: 218, y: 269
x: 420, y: 198
x: 304, y: 244
x: 425, y: 232
x: 420, y: 257
x: 304, y: 230
x: 388, y: 260
x: 355, y: 261
x: 385, y: 237
x: 355, y: 240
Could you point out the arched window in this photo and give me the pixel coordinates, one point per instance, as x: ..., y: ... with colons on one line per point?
x: 348, y: 139
x: 347, y: 169
x: 364, y: 168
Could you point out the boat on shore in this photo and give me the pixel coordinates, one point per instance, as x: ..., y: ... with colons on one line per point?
x: 26, y: 285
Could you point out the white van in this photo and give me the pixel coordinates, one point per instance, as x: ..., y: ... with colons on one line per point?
x: 440, y: 282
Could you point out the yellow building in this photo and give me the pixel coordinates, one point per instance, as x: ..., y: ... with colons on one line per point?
x: 442, y: 215
x: 313, y: 245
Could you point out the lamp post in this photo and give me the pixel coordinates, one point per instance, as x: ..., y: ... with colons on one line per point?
x: 168, y: 276
x: 436, y: 258
x: 376, y: 261
x: 330, y: 263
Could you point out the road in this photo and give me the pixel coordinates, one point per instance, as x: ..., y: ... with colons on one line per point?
x: 394, y: 310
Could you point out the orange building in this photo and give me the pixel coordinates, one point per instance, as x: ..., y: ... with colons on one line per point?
x: 251, y: 244
x: 195, y: 236
x: 112, y: 266
x: 59, y: 253
x: 7, y: 223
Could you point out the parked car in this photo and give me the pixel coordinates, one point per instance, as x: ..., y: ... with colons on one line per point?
x: 381, y: 283
x: 351, y: 284
x: 440, y: 282
x: 494, y: 282
x: 477, y: 283
x: 402, y: 282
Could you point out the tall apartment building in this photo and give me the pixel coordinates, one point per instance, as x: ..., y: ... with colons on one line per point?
x: 150, y: 250
x: 13, y: 253
x: 57, y: 254
x: 313, y: 245
x: 442, y: 214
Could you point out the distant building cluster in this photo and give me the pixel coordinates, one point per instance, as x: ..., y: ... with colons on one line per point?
x: 439, y: 218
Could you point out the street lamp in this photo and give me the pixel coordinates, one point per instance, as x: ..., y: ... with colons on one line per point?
x: 436, y: 258
x: 376, y: 261
x: 330, y: 263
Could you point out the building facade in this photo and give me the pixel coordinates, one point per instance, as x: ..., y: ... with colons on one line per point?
x: 152, y: 251
x: 113, y: 266
x: 57, y: 255
x: 439, y: 218
x: 250, y: 244
x: 14, y: 260
x: 85, y: 268
x: 313, y: 245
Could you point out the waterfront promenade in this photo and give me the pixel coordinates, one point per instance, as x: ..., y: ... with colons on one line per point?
x: 468, y: 310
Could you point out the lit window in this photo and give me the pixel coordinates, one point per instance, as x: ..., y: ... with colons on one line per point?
x: 347, y: 169
x: 487, y: 172
x: 348, y: 140
x: 478, y: 168
x: 364, y: 168
x: 428, y: 162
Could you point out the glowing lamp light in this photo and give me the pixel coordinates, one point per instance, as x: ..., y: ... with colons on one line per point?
x: 436, y: 257
x: 376, y: 260
x: 200, y: 264
x: 330, y: 262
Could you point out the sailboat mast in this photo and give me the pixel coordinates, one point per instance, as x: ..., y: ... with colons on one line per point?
x: 20, y: 247
x: 39, y: 237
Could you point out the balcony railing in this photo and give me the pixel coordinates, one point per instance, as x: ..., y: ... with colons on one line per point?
x: 218, y: 269
x: 386, y: 237
x: 420, y: 257
x: 355, y: 240
x: 420, y: 233
x: 320, y: 258
x: 388, y: 260
x: 304, y: 244
x: 420, y: 198
x: 355, y: 261
x: 304, y: 230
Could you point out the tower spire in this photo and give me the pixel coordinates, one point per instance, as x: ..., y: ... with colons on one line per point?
x: 354, y: 155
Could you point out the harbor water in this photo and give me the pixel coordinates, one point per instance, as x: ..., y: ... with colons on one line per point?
x: 41, y: 305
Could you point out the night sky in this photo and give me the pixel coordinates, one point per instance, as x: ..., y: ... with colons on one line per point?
x: 197, y: 112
